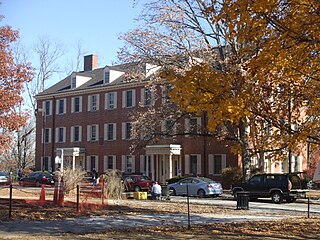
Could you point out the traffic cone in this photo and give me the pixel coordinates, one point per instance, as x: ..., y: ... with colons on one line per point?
x: 61, y: 195
x: 42, y: 198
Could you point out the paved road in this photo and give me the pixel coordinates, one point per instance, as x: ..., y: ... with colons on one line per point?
x: 100, y: 223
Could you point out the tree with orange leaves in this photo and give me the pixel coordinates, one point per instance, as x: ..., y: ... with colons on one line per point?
x: 258, y: 74
x: 13, y: 76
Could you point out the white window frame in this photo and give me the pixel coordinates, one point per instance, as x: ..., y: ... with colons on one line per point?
x: 72, y: 137
x: 145, y: 101
x: 47, y: 112
x: 106, y: 162
x: 93, y: 102
x: 108, y: 104
x: 73, y: 104
x: 89, y: 166
x: 58, y: 134
x: 58, y: 101
x: 125, y: 130
x: 211, y: 159
x: 125, y: 96
x: 125, y: 166
x: 187, y: 159
x: 44, y: 137
x: 188, y: 125
x: 106, y: 131
x: 92, y: 129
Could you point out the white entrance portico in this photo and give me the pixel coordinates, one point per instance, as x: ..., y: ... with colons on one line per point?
x: 165, y: 161
x: 69, y: 157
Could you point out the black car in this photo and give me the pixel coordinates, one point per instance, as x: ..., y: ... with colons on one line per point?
x: 275, y: 186
x: 37, y: 179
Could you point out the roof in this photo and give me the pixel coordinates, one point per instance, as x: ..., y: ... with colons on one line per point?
x: 96, y: 81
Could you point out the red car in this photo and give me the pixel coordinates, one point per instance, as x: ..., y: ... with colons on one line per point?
x: 137, y: 183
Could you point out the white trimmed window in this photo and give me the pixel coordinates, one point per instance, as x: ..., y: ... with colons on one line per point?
x: 92, y: 132
x: 92, y: 163
x: 61, y: 106
x: 193, y: 164
x: 146, y: 97
x: 76, y: 104
x: 128, y: 98
x: 126, y: 130
x: 168, y: 127
x: 111, y: 100
x: 76, y: 133
x: 217, y: 162
x: 109, y: 162
x: 46, y: 135
x: 106, y: 76
x: 128, y: 163
x: 193, y: 125
x: 60, y: 135
x: 47, y: 106
x: 110, y: 131
x: 93, y: 102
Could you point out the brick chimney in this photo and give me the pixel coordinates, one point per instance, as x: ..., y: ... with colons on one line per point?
x: 90, y: 62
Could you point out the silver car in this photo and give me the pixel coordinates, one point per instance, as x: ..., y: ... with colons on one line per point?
x: 196, y: 186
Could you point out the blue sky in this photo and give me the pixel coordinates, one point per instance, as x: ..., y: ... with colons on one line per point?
x: 95, y: 23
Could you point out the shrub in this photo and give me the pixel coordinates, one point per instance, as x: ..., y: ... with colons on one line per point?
x: 231, y: 175
x: 71, y: 178
x: 114, y: 186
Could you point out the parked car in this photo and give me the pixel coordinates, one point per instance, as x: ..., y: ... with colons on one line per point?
x: 275, y: 186
x: 197, y: 186
x: 37, y: 179
x: 137, y: 183
x: 5, y: 179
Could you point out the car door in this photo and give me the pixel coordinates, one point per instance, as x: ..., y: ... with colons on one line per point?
x: 256, y: 185
x: 181, y: 187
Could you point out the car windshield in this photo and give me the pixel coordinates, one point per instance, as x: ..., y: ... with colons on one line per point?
x: 145, y: 178
x: 207, y: 180
x: 3, y: 174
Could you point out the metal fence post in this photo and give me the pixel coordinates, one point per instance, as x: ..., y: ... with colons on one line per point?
x: 10, y: 201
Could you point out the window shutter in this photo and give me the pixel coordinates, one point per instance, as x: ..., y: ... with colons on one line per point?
x: 80, y: 133
x: 210, y: 164
x: 299, y: 162
x: 199, y: 164
x: 72, y: 134
x: 49, y: 163
x: 114, y: 162
x: 106, y: 100
x: 114, y: 131
x: 64, y: 105
x: 57, y: 107
x: 142, y: 96
x: 105, y: 131
x: 123, y: 99
x: 50, y: 135
x: 96, y: 161
x: 187, y: 125
x: 123, y: 163
x: 88, y: 164
x: 133, y: 164
x: 123, y: 130
x: 199, y: 124
x: 80, y: 104
x: 89, y: 103
x: 56, y: 135
x: 64, y: 134
x: 133, y: 98
x: 115, y: 100
x: 72, y: 105
x: 224, y: 161
x: 88, y: 133
x: 98, y: 102
x: 105, y: 163
x: 187, y: 164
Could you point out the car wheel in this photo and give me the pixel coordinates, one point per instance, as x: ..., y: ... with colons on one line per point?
x: 173, y: 191
x: 201, y: 193
x: 276, y: 197
x: 137, y: 189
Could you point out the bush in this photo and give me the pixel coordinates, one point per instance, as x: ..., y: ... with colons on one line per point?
x: 114, y: 186
x: 71, y: 178
x: 231, y: 175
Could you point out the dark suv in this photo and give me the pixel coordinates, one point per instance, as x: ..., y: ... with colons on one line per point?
x: 275, y: 186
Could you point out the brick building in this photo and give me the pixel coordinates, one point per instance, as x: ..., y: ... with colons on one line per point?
x: 83, y: 120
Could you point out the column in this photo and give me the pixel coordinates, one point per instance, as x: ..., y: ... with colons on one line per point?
x: 170, y: 165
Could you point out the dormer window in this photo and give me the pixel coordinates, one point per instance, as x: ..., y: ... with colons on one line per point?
x: 73, y: 82
x: 106, y: 77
